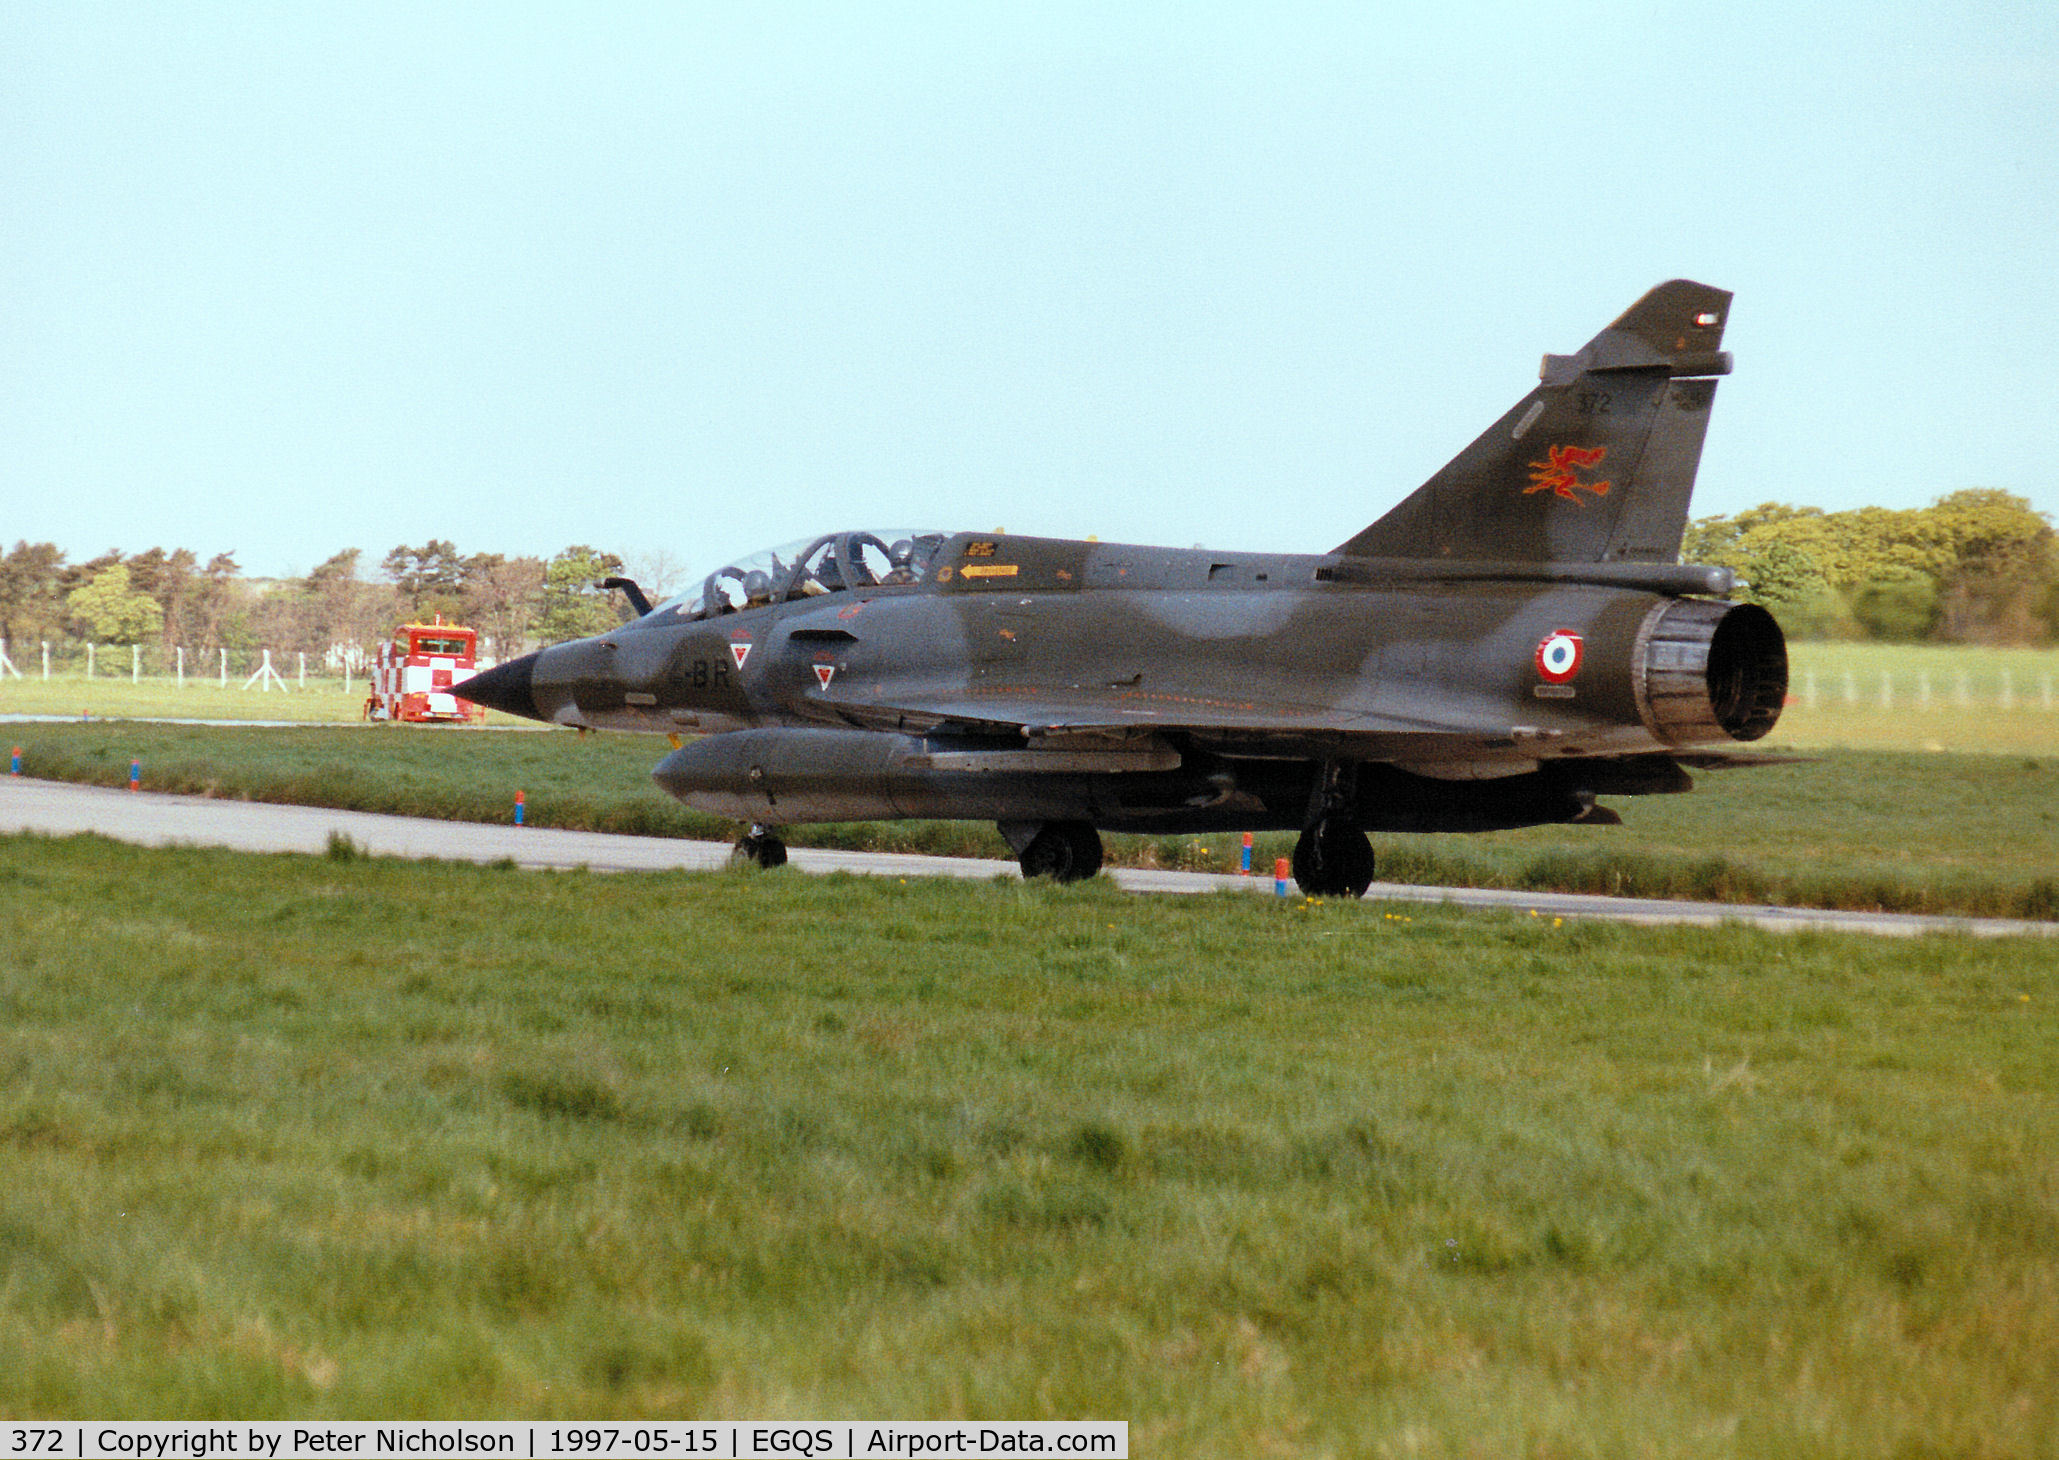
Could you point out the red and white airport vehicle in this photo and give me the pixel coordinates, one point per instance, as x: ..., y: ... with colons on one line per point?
x: 412, y: 676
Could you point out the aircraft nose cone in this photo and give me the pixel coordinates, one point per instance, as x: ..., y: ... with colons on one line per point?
x: 508, y: 687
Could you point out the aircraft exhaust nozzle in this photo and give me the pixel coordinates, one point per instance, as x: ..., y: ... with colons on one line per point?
x: 1706, y: 671
x: 508, y: 687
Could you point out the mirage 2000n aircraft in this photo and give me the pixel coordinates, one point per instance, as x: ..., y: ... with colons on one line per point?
x: 1510, y: 642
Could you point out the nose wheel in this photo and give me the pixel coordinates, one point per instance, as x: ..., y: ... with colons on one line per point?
x: 761, y: 847
x: 1334, y: 858
x: 1064, y: 851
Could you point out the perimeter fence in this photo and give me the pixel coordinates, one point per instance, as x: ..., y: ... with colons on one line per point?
x: 259, y: 667
x: 1924, y: 689
x: 1922, y: 677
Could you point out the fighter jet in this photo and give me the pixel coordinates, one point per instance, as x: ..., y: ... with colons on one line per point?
x: 1513, y: 640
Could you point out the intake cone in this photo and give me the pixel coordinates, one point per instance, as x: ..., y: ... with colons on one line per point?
x: 506, y: 687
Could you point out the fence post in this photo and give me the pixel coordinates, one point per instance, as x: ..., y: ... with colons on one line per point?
x: 182, y: 666
x: 135, y: 664
x: 89, y: 659
x: 46, y: 659
x: 225, y: 666
x: 303, y: 671
x: 266, y: 676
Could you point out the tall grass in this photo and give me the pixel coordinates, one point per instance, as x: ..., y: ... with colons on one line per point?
x: 337, y: 1136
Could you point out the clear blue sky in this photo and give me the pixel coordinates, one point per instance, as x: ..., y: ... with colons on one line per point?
x: 282, y: 279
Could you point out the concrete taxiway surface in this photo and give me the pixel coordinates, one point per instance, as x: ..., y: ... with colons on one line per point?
x: 59, y: 809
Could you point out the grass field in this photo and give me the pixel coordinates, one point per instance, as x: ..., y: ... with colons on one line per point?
x: 1262, y: 1177
x: 106, y: 698
x: 1903, y: 832
x: 1898, y: 697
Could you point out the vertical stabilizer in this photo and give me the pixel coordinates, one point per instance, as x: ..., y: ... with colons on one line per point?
x: 1594, y: 465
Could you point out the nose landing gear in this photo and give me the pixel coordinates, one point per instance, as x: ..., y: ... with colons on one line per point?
x: 760, y: 845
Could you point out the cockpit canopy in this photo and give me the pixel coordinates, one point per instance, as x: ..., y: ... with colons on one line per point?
x: 836, y: 562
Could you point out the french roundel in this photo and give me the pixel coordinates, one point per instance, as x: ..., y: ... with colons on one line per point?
x: 1558, y: 657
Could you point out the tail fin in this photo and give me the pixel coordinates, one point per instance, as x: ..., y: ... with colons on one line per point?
x: 1594, y: 465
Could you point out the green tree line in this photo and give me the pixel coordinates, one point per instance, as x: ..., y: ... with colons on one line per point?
x: 1975, y: 567
x: 171, y: 600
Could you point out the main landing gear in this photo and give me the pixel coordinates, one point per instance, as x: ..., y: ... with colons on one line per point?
x: 1334, y: 858
x: 762, y: 846
x: 1064, y: 851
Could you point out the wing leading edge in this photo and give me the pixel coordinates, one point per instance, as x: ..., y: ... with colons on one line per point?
x: 1045, y: 720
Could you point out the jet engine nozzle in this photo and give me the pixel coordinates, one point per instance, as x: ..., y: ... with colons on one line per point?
x: 508, y: 687
x: 1706, y: 671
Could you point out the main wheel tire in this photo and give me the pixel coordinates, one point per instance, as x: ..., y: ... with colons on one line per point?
x: 1333, y: 858
x: 1064, y: 851
x: 765, y: 851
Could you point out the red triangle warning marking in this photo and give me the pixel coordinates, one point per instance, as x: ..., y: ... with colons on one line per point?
x: 739, y: 652
x: 825, y: 673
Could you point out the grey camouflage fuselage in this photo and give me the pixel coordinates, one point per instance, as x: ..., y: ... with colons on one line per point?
x: 1511, y: 641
